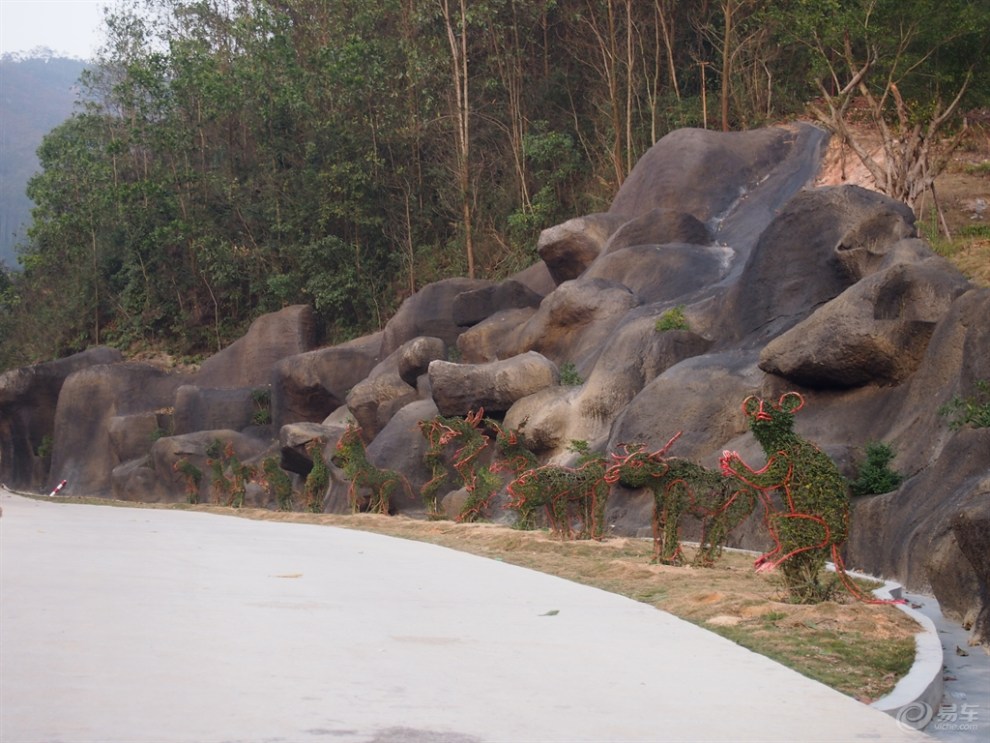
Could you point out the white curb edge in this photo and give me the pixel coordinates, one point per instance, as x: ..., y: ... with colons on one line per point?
x: 922, y: 687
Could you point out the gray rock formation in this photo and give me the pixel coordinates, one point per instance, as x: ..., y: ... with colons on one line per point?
x: 782, y: 286
x: 459, y: 389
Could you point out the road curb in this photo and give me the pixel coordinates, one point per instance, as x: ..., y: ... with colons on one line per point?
x: 919, y: 693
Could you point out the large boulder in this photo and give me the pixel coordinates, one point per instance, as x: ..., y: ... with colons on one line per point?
x: 472, y: 307
x: 459, y: 389
x: 429, y: 312
x: 798, y: 263
x: 568, y: 249
x: 496, y: 337
x: 575, y: 319
x: 309, y: 386
x: 90, y: 401
x: 701, y: 172
x: 250, y: 360
x: 28, y: 399
x: 392, y: 384
x: 875, y: 332
x: 205, y: 409
x: 658, y: 226
x: 657, y: 273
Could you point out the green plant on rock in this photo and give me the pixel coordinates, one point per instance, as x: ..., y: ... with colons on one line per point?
x: 973, y: 410
x: 569, y: 376
x: 672, y: 319
x: 318, y: 479
x: 230, y: 476
x: 46, y: 446
x: 219, y: 484
x: 262, y: 399
x: 512, y: 456
x: 875, y: 474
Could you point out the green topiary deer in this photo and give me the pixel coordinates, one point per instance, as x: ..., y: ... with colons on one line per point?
x: 680, y: 488
x: 573, y: 498
x: 351, y: 457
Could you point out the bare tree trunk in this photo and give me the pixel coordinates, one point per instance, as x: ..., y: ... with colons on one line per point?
x: 913, y: 156
x: 459, y: 76
x: 727, y: 8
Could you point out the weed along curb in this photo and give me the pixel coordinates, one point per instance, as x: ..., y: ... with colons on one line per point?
x: 920, y: 691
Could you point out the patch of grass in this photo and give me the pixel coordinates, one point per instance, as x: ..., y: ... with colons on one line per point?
x: 973, y: 410
x: 672, y: 319
x: 968, y: 250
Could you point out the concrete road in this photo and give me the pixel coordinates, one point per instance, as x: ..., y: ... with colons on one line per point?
x: 154, y: 626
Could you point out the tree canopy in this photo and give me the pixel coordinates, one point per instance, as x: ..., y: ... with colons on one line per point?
x: 231, y: 157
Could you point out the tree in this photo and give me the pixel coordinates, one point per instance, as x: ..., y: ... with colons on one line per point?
x: 911, y: 83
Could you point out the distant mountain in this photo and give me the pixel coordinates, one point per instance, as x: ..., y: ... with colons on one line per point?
x: 37, y: 93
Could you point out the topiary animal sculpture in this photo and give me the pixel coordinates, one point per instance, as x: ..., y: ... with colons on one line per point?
x: 574, y: 498
x: 682, y: 487
x: 351, y: 457
x: 814, y: 521
x: 479, y: 482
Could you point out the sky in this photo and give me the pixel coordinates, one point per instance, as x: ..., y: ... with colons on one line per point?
x: 71, y: 27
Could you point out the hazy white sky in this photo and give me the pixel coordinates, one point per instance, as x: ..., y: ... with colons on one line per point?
x: 68, y: 26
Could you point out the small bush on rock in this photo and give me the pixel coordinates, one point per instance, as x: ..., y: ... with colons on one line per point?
x: 969, y: 411
x: 875, y: 475
x: 672, y: 319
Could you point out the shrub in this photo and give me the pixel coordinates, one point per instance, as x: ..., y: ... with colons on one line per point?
x: 672, y: 319
x: 969, y: 411
x: 569, y: 375
x: 875, y: 475
x: 262, y: 399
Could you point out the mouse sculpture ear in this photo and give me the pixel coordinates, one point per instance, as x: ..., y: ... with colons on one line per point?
x: 751, y: 406
x: 790, y: 402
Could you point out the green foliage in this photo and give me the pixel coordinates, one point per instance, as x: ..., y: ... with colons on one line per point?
x: 574, y: 499
x: 229, y: 159
x: 229, y: 476
x: 973, y: 410
x: 672, y: 319
x: 681, y: 488
x: 262, y: 399
x: 44, y: 449
x: 569, y: 376
x: 456, y: 446
x: 875, y: 474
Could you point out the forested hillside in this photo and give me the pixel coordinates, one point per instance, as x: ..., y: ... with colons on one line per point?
x: 37, y: 93
x: 237, y: 156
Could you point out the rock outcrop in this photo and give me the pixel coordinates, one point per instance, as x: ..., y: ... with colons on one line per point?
x: 776, y: 286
